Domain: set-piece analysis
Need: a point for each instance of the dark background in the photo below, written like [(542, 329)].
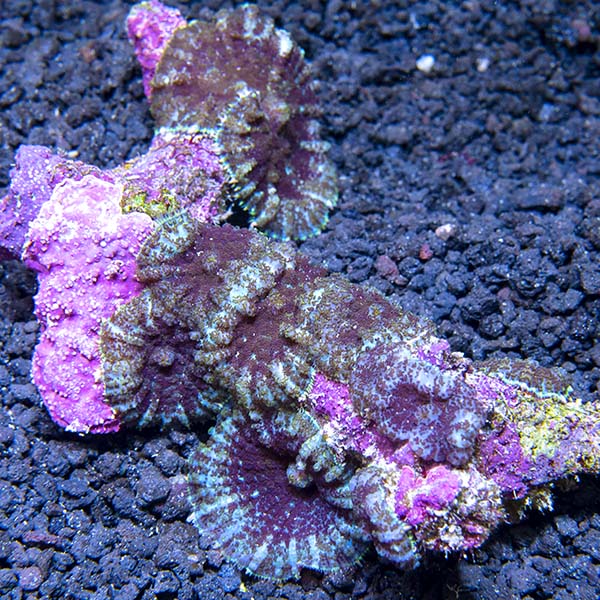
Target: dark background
[(499, 143)]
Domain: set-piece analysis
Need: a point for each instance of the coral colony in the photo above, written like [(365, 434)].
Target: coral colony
[(341, 421)]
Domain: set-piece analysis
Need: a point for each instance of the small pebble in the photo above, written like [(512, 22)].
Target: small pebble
[(425, 252), (386, 267), (446, 231), (425, 63), (30, 578), (152, 486), (482, 64)]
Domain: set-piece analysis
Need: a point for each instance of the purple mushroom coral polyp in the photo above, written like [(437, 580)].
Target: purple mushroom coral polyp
[(341, 420), (247, 81)]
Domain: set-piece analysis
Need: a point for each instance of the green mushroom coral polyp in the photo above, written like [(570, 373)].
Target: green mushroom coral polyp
[(341, 420)]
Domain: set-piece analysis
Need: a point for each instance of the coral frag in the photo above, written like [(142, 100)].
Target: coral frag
[(341, 420)]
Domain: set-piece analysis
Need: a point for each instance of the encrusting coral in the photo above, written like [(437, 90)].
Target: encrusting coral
[(341, 420), (85, 247)]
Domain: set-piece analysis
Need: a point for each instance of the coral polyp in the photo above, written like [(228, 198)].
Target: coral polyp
[(248, 80), (245, 506), (412, 399)]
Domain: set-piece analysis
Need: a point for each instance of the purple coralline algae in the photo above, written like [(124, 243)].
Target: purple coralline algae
[(341, 420), (36, 173), (150, 26), (83, 248)]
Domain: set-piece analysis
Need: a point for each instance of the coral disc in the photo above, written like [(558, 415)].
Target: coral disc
[(149, 375), (249, 81), (244, 505), (410, 399)]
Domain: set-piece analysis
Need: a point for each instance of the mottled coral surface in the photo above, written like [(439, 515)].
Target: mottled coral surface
[(248, 80), (357, 401)]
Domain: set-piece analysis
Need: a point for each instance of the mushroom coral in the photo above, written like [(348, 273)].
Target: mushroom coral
[(341, 420)]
